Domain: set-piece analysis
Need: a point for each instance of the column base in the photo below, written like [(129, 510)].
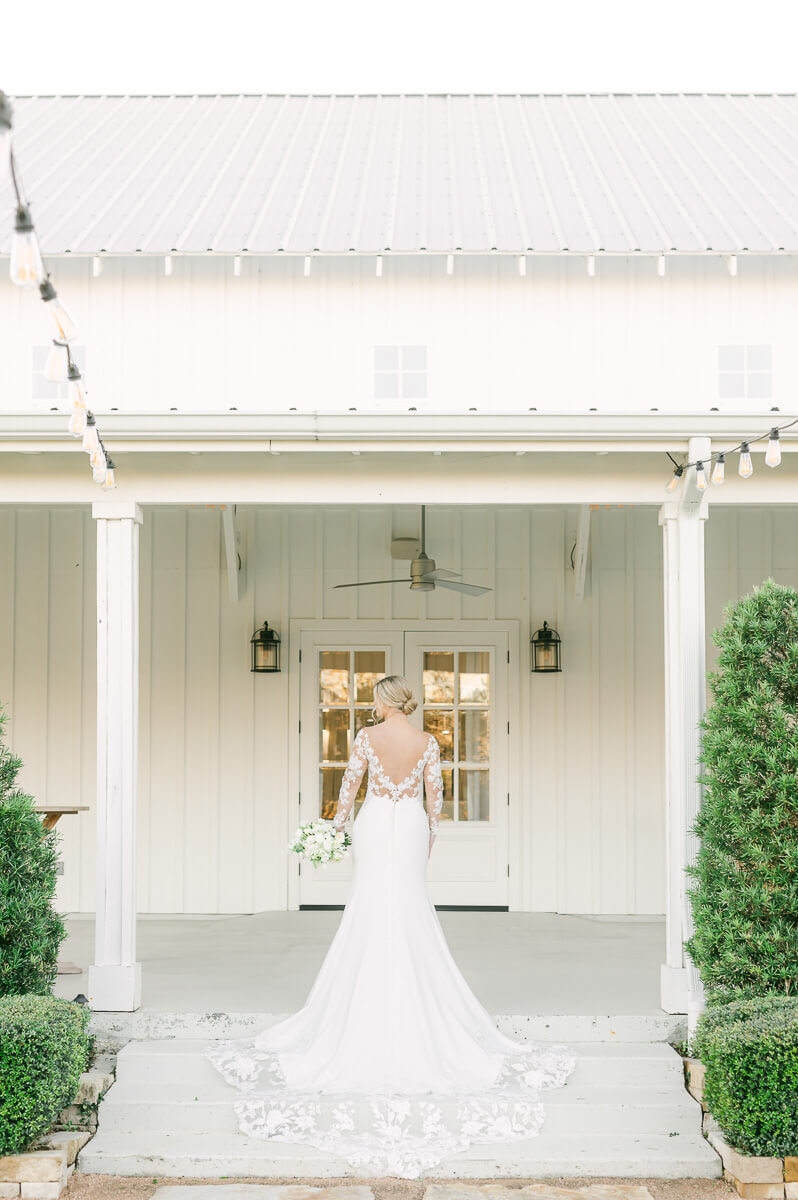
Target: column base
[(115, 988), (674, 989)]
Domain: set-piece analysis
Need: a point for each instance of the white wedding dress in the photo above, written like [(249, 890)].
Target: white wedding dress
[(392, 1064)]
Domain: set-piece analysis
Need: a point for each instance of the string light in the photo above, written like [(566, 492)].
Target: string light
[(745, 467), (719, 470), (773, 452), (27, 269)]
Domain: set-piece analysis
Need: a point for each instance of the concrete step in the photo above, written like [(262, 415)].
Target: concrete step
[(114, 1030), (625, 1156), (181, 1060), (575, 1108)]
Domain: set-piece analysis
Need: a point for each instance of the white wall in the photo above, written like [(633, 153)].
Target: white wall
[(272, 339), (214, 738)]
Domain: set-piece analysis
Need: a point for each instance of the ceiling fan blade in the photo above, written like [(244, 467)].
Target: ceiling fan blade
[(441, 573), (470, 589), (371, 582)]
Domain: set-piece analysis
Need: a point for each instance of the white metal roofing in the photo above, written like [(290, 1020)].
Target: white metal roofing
[(408, 173)]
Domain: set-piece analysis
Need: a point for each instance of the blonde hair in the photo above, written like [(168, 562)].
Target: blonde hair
[(394, 690)]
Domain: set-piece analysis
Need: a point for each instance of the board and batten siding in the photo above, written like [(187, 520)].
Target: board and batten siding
[(214, 738)]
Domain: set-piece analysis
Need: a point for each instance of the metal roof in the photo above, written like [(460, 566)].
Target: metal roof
[(552, 174)]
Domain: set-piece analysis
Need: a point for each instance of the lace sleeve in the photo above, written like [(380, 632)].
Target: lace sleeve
[(433, 788), (351, 781)]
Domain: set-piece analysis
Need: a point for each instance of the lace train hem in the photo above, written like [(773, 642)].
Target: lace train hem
[(383, 1133)]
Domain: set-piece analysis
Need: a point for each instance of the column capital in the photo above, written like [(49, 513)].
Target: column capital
[(117, 510)]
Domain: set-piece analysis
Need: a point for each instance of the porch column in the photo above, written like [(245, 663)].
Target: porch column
[(115, 976), (682, 520)]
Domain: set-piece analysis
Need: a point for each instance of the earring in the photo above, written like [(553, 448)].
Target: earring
[(374, 718)]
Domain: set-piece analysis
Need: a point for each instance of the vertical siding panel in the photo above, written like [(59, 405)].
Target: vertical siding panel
[(478, 562), (236, 736), (63, 699), (88, 741), (373, 562), (268, 584), (443, 544), (166, 844), (648, 792), (147, 768), (610, 684), (338, 563), (206, 576), (547, 817), (32, 650)]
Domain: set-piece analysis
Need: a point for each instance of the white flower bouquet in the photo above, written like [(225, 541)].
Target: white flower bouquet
[(319, 843)]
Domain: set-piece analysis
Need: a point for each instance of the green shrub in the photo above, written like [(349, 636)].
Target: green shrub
[(30, 929), (750, 1051), (44, 1047), (745, 894)]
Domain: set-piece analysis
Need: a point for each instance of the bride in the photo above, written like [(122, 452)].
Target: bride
[(392, 1064)]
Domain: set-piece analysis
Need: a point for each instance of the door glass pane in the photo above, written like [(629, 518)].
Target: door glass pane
[(334, 676), (440, 723), (447, 812), (474, 735), (369, 667), (474, 677), (346, 686), (329, 787), (456, 710), (473, 795), (334, 729), (438, 677)]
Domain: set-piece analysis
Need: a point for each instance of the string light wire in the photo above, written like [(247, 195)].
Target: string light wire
[(773, 457), (27, 267)]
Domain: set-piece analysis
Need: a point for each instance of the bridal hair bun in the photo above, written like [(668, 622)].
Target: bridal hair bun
[(394, 690)]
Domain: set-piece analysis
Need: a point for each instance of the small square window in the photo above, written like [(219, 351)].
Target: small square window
[(400, 372), (745, 372), (386, 385), (731, 358), (759, 385), (760, 358), (386, 358), (414, 385), (414, 358)]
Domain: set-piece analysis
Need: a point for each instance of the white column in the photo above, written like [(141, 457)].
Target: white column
[(682, 520), (115, 976)]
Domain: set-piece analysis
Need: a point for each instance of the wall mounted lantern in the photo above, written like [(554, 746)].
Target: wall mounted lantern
[(546, 649), (265, 645)]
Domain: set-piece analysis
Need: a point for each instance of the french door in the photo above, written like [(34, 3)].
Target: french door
[(460, 681)]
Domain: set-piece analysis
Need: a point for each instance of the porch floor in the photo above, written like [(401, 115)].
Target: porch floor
[(519, 963)]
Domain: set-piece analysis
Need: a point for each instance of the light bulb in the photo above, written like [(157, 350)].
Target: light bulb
[(90, 438), (746, 467), (99, 471), (25, 265), (700, 477), (674, 479), (63, 321), (76, 396), (97, 455), (773, 452), (57, 362), (77, 422), (719, 470), (109, 481)]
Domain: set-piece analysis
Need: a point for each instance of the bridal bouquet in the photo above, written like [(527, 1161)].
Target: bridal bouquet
[(319, 843)]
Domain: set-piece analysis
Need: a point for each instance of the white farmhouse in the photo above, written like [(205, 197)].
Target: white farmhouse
[(302, 322)]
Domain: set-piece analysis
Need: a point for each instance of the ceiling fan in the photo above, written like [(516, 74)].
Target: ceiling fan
[(424, 575)]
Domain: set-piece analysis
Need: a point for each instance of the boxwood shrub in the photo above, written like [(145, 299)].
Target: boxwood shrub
[(44, 1045), (750, 1051)]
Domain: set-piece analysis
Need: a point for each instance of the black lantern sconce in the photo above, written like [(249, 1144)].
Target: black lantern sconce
[(546, 649), (265, 645)]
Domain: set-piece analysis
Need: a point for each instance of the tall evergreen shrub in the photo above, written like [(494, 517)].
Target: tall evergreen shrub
[(745, 882), (30, 929)]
